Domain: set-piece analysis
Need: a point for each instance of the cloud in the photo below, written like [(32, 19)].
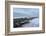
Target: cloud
[(25, 12)]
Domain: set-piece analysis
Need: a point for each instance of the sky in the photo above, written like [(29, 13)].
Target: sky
[(21, 12)]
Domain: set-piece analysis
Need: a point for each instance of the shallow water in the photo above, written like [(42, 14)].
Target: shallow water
[(32, 23)]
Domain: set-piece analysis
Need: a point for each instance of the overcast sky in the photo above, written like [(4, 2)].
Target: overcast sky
[(21, 12)]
